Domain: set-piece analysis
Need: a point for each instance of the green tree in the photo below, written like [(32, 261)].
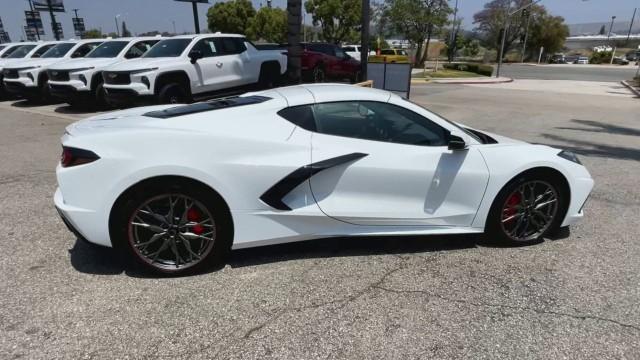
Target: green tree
[(231, 16), (418, 21), (269, 24), (491, 21), (125, 32), (92, 34), (339, 19), (547, 31)]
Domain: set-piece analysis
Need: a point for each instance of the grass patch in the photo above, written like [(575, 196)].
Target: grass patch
[(445, 73)]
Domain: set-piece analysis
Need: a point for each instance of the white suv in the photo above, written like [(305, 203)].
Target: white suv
[(16, 52), (29, 78), (79, 81), (188, 67)]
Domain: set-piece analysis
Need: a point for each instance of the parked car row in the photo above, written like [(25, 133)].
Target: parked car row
[(127, 70), (568, 59)]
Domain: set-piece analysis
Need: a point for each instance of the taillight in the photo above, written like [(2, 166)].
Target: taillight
[(74, 156)]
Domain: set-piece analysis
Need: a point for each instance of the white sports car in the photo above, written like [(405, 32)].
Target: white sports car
[(176, 187)]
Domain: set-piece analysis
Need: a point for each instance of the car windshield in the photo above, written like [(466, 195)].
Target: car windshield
[(168, 48), (58, 51), (110, 49), (20, 52)]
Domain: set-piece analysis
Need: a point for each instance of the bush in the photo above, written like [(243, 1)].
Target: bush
[(603, 57), (486, 70)]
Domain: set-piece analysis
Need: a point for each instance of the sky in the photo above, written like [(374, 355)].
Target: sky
[(147, 15)]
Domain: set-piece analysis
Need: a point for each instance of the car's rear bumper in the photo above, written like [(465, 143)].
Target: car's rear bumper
[(84, 223)]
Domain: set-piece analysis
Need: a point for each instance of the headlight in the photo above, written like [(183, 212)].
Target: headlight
[(142, 71), (81, 69), (569, 155)]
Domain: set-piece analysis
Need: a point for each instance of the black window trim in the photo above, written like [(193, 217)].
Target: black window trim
[(447, 132)]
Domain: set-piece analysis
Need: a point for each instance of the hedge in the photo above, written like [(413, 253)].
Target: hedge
[(486, 70)]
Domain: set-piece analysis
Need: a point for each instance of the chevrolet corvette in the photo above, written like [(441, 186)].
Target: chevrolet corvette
[(176, 187)]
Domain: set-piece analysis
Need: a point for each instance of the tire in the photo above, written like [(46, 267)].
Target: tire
[(519, 218), (199, 236), (172, 94), (100, 99), (269, 76), (357, 77), (318, 75), (45, 94)]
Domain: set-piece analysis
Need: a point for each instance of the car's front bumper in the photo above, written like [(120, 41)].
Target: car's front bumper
[(21, 87), (580, 189), (68, 93)]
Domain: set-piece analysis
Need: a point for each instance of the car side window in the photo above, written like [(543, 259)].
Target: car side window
[(84, 50), (43, 49), (369, 120), (231, 46), (138, 49), (339, 53), (300, 115), (207, 47)]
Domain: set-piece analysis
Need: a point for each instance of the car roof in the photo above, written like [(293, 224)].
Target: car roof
[(318, 93), (202, 36)]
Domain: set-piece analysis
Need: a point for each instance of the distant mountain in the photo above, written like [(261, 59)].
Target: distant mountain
[(619, 28)]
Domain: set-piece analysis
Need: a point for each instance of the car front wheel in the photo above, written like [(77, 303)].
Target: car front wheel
[(526, 210)]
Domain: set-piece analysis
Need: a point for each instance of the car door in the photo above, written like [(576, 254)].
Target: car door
[(211, 73), (236, 60), (391, 166)]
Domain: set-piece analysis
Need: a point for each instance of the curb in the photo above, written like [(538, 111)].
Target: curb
[(631, 87), (465, 82)]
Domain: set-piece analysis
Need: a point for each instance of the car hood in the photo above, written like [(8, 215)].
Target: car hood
[(143, 63), (86, 63), (125, 119), (35, 63), (9, 62)]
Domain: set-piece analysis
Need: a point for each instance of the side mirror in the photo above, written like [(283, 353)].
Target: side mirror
[(195, 55), (456, 143)]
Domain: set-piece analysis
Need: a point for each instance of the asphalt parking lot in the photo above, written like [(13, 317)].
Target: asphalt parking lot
[(385, 298)]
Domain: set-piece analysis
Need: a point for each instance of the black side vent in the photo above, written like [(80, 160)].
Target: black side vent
[(207, 106)]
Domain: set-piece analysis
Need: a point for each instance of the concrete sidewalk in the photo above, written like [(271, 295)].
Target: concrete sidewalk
[(565, 87), (462, 81)]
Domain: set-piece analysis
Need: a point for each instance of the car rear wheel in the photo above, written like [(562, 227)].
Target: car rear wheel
[(318, 74), (526, 210), (175, 229)]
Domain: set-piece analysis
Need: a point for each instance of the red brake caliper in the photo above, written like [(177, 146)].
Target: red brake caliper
[(512, 202), (194, 216)]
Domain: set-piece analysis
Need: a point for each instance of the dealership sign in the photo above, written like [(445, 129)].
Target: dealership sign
[(46, 5), (34, 21), (4, 36), (78, 26)]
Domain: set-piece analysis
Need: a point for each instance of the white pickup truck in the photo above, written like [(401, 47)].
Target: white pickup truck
[(79, 81), (193, 67)]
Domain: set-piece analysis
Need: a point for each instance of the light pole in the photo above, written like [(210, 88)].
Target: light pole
[(613, 18), (364, 39), (526, 36), (117, 28), (504, 30), (631, 26), (452, 40)]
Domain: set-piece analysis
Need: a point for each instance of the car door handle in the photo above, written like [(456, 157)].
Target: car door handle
[(219, 64)]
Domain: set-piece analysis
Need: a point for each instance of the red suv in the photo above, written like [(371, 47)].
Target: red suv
[(321, 61)]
